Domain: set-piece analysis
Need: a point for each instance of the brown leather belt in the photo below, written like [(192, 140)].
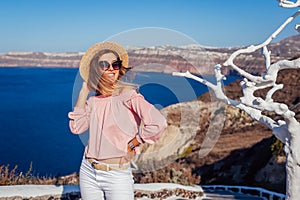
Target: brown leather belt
[(106, 167)]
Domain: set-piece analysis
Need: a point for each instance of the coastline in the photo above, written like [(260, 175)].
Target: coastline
[(197, 59)]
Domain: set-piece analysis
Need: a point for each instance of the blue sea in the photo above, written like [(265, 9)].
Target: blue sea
[(34, 103)]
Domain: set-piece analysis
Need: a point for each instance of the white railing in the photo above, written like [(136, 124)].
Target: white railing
[(254, 191)]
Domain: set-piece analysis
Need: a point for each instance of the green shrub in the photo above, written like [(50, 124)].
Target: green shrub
[(277, 148)]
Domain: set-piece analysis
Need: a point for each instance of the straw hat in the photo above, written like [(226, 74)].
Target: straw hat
[(84, 67)]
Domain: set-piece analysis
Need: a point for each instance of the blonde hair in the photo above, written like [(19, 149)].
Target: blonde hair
[(103, 86)]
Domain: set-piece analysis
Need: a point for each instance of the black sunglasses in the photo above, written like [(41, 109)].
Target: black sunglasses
[(104, 65)]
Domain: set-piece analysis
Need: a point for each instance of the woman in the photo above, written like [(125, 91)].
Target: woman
[(118, 118)]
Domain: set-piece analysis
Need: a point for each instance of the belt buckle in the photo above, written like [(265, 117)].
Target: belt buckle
[(93, 164), (98, 166)]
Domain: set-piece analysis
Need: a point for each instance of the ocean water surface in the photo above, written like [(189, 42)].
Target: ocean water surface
[(34, 103)]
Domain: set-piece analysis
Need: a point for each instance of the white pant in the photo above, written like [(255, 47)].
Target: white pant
[(108, 185)]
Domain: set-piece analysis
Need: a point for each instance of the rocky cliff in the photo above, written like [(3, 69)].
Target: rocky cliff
[(40, 59), (198, 59), (242, 155)]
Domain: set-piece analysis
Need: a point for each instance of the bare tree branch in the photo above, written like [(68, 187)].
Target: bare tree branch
[(289, 4), (286, 130), (267, 55), (253, 111), (297, 27), (252, 48)]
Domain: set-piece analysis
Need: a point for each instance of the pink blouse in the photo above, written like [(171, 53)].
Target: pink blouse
[(113, 121)]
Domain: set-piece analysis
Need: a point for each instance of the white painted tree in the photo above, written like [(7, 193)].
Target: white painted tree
[(286, 130)]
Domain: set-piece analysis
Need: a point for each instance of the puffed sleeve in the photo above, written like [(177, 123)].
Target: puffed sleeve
[(153, 123), (80, 118)]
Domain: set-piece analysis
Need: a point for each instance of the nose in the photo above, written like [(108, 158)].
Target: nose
[(110, 67)]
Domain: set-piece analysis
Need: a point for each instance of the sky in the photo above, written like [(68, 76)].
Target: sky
[(75, 25)]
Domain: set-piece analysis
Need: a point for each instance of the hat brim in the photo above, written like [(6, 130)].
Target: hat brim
[(84, 66)]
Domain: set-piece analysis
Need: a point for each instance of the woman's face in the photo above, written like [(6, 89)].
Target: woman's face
[(106, 62)]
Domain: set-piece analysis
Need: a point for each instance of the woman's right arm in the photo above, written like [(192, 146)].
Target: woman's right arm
[(79, 117), (83, 94)]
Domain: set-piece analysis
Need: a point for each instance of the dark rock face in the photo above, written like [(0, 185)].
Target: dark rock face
[(239, 167)]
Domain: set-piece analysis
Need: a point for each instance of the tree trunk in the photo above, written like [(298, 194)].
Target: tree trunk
[(293, 167)]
